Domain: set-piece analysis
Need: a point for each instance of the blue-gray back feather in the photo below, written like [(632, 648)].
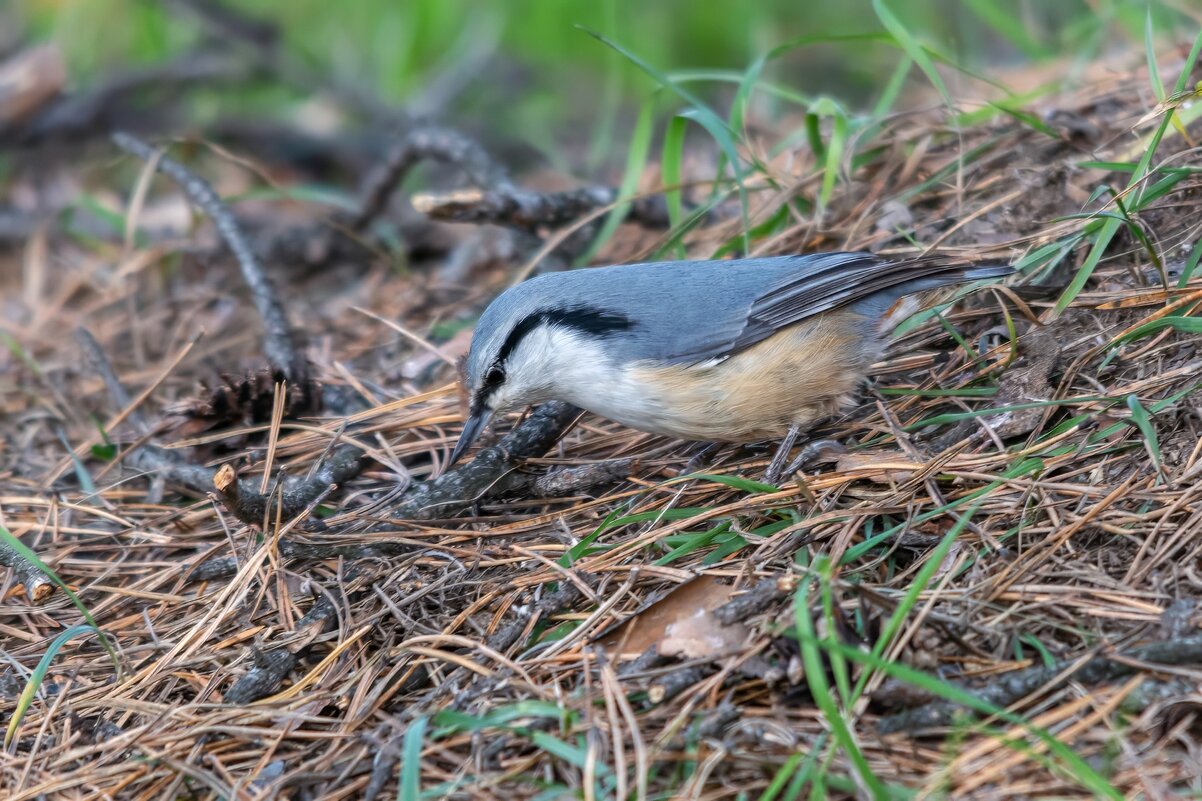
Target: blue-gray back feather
[(693, 311)]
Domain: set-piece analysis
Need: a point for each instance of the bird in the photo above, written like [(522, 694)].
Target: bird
[(719, 351)]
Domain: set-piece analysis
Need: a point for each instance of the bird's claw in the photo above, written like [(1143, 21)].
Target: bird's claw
[(809, 452)]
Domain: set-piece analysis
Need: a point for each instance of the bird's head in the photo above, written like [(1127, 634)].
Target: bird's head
[(528, 348)]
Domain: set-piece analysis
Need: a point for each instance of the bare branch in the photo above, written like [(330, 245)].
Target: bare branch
[(83, 115), (289, 495), (586, 477), (38, 587), (428, 143), (527, 209), (486, 475), (279, 344), (1014, 686)]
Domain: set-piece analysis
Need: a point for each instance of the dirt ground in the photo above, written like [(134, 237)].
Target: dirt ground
[(234, 477)]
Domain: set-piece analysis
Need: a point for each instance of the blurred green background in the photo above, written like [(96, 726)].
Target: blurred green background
[(527, 70)]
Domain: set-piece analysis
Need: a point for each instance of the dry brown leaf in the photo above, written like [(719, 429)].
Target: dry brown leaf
[(682, 623)]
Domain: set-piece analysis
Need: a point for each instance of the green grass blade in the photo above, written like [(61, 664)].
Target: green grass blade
[(1150, 53), (1028, 119), (1077, 767), (39, 674), (21, 548), (834, 150), (1191, 264), (700, 111), (955, 417), (451, 721), (1025, 467), (782, 777), (572, 754), (815, 673), (826, 573), (602, 138), (735, 482), (636, 162), (411, 761), (893, 87), (1003, 19), (912, 47), (1143, 421), (933, 561), (670, 168)]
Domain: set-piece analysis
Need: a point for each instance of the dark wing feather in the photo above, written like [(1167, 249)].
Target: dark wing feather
[(826, 282)]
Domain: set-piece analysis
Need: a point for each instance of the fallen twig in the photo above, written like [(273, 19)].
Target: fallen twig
[(223, 566), (1012, 687), (575, 480), (288, 496), (526, 209), (279, 344), (486, 474), (431, 142), (38, 587), (267, 672), (272, 667), (550, 604), (28, 80), (100, 363), (753, 600), (673, 684), (73, 117)]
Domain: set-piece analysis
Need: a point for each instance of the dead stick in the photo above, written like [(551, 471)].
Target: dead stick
[(486, 474), (550, 604), (271, 667), (84, 115), (279, 344), (37, 585), (101, 364), (224, 566), (1012, 687), (431, 142), (582, 478), (754, 599), (527, 209), (240, 495)]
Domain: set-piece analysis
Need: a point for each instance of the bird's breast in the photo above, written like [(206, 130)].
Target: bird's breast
[(791, 378)]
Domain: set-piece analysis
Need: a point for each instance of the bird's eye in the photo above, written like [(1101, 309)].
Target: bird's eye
[(494, 376)]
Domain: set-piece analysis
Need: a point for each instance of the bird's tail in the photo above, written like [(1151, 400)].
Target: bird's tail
[(895, 304)]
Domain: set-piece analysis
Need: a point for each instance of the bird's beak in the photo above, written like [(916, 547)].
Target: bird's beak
[(471, 432)]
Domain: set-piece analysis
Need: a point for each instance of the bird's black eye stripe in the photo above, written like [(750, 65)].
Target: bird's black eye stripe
[(591, 320)]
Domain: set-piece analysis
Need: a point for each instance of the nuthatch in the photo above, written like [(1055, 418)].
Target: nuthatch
[(718, 351)]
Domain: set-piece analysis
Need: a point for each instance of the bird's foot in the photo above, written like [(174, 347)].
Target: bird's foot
[(776, 466), (702, 457), (809, 452)]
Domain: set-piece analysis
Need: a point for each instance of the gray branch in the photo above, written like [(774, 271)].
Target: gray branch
[(490, 472), (38, 587), (1017, 685), (279, 344), (526, 209), (428, 143)]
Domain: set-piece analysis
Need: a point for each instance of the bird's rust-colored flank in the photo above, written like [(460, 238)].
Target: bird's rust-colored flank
[(794, 377)]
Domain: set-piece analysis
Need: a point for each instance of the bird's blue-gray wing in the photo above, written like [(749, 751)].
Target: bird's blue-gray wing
[(742, 302)]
